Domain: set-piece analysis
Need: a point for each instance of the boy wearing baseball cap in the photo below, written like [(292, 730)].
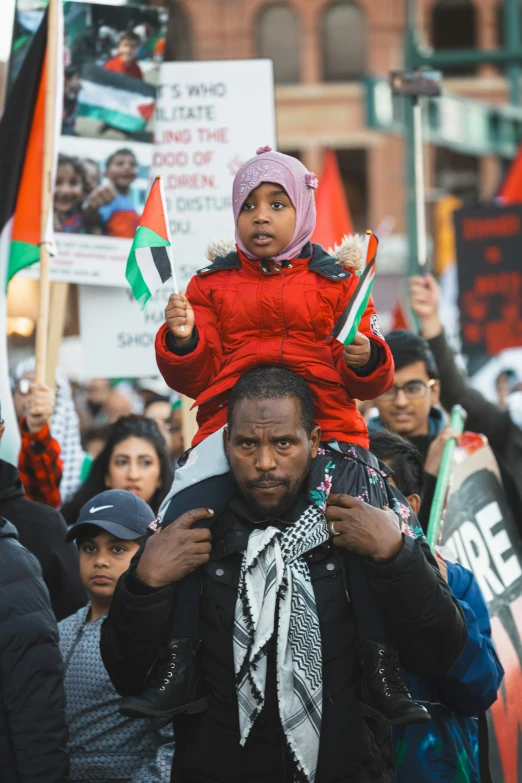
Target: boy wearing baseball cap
[(104, 745)]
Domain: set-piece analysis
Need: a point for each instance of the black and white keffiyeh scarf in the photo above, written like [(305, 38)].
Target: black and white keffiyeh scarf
[(275, 581)]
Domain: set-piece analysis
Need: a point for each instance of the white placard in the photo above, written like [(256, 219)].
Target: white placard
[(118, 338), (210, 118)]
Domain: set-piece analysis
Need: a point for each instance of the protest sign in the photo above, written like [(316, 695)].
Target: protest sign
[(482, 534), (202, 135), (118, 338), (92, 256), (112, 58), (489, 249), (204, 130)]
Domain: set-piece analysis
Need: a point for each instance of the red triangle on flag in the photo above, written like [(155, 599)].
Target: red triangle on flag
[(154, 215), (400, 317), (146, 110), (333, 214), (510, 191)]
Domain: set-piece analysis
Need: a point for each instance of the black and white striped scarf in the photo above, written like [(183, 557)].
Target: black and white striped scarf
[(275, 579)]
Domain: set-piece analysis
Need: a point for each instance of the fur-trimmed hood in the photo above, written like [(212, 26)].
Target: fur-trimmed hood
[(349, 253)]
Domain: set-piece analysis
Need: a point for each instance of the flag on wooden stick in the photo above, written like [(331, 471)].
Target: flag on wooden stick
[(150, 260), (22, 149), (346, 327)]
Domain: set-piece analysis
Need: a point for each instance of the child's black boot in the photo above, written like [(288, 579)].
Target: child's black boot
[(174, 685), (383, 693)]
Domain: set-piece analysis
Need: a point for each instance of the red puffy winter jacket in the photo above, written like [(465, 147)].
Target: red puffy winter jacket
[(252, 313)]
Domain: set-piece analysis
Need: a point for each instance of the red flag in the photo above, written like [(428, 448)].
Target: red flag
[(400, 317), (333, 215), (510, 191)]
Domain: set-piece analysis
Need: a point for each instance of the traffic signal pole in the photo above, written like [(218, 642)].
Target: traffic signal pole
[(509, 57)]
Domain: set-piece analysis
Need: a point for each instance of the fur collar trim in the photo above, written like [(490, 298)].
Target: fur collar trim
[(349, 253)]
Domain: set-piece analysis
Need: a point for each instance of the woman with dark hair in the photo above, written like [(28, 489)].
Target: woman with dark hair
[(135, 458)]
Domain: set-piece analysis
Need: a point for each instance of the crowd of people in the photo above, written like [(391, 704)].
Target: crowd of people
[(259, 605)]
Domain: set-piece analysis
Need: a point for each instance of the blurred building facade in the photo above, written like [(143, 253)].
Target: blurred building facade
[(321, 51)]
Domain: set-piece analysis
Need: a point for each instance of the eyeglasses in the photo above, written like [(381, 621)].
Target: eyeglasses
[(413, 390)]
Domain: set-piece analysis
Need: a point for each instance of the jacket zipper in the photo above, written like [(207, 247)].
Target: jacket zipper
[(283, 313)]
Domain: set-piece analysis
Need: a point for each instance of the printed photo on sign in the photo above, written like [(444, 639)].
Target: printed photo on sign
[(100, 190), (112, 54)]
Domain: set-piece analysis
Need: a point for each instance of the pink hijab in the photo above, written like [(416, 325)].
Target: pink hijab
[(299, 183)]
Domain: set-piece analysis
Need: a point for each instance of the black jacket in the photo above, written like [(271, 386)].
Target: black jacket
[(42, 531), (425, 624), (33, 729), (484, 417)]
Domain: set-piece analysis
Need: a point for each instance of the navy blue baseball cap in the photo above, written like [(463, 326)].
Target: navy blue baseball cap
[(117, 511)]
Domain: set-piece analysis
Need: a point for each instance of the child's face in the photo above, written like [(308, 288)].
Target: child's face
[(122, 171), (267, 220), (92, 172), (103, 560), (127, 50), (68, 189)]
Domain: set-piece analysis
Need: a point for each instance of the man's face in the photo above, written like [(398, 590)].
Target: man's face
[(406, 411), (270, 453)]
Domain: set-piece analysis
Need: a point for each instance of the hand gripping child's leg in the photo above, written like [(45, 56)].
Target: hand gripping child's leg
[(174, 684), (383, 694)]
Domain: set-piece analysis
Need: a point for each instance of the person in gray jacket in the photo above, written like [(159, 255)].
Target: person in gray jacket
[(496, 423), (104, 746)]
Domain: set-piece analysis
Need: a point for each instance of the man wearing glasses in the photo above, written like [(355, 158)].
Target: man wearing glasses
[(411, 407)]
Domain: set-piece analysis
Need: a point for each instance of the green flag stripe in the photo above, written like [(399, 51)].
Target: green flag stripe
[(135, 279), (118, 119), (348, 340), (21, 254), (146, 237)]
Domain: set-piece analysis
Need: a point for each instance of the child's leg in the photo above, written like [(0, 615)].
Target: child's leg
[(215, 493), (175, 683), (366, 609), (354, 471)]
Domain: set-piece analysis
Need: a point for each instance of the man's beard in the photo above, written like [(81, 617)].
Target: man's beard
[(276, 510)]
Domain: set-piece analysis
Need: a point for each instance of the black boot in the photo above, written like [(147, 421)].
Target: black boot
[(383, 694), (174, 684)]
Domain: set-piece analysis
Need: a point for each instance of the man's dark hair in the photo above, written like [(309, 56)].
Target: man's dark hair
[(123, 151), (408, 348), (402, 457), (274, 383)]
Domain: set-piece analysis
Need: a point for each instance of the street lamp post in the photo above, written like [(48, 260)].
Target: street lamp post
[(416, 56)]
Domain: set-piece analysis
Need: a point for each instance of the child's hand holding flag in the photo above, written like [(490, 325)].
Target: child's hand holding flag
[(358, 353), (357, 349), (179, 316)]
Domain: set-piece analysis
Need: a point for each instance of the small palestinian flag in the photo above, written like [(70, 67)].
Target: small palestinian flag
[(115, 99), (346, 327), (149, 264), (21, 150)]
